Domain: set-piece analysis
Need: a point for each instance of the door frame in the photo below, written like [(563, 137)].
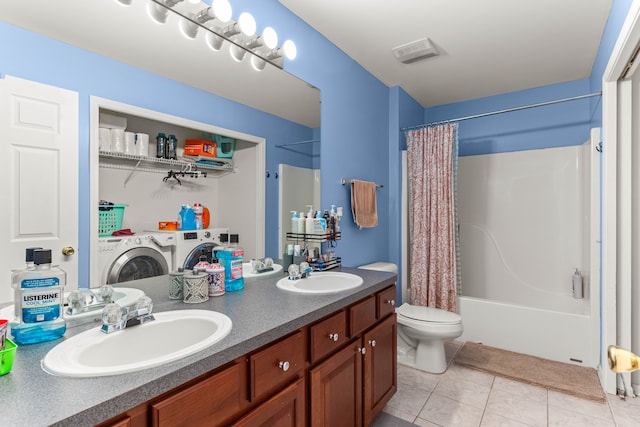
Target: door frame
[(616, 214)]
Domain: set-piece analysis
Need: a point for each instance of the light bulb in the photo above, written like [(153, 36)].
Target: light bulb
[(289, 49), (270, 37), (247, 24), (222, 10), (194, 1)]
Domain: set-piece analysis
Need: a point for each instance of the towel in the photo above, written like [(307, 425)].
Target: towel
[(363, 203)]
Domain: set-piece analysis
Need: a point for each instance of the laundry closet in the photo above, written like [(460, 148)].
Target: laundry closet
[(151, 190)]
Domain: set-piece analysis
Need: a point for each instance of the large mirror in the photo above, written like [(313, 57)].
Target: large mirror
[(126, 34)]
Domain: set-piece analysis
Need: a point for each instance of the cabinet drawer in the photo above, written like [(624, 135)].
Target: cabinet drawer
[(286, 408), (277, 364), (386, 301), (328, 335), (213, 401), (362, 315)]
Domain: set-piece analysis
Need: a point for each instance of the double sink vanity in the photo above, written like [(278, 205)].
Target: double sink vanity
[(302, 355)]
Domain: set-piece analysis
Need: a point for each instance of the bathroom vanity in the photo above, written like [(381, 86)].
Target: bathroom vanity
[(310, 359)]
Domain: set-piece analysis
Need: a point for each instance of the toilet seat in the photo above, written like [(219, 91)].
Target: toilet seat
[(428, 314)]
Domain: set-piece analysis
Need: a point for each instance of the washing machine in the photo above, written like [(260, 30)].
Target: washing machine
[(191, 244), (124, 258)]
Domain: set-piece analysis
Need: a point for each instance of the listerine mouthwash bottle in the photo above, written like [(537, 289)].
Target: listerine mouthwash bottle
[(39, 299), (231, 258)]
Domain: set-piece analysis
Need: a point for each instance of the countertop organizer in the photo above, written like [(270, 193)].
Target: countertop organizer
[(318, 265)]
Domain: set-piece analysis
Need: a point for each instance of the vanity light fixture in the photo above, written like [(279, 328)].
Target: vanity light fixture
[(288, 50), (219, 11), (239, 34)]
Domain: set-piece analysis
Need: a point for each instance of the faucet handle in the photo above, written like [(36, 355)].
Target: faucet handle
[(105, 293), (112, 314), (144, 305)]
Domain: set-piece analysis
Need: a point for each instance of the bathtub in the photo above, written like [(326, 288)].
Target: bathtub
[(555, 335)]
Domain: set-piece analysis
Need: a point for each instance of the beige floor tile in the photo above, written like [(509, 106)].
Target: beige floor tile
[(563, 417), (424, 423), (464, 391), (408, 399), (582, 406), (460, 372), (418, 379), (448, 412), (399, 413), (520, 389), (626, 413), (519, 407), (489, 419)]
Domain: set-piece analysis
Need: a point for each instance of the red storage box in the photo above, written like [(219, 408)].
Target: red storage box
[(200, 147)]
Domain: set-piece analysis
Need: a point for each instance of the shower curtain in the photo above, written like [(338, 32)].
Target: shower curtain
[(434, 254)]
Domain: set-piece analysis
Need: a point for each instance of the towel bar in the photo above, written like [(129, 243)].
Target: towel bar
[(348, 181)]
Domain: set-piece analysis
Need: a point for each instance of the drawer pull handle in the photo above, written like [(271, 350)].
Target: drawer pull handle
[(391, 302), (334, 337), (362, 350), (372, 343), (284, 366)]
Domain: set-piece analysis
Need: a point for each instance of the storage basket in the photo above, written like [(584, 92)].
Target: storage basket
[(6, 356), (225, 146), (110, 219)]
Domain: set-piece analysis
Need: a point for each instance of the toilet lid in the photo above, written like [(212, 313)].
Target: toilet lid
[(428, 314)]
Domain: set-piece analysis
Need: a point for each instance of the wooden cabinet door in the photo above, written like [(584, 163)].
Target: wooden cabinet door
[(386, 302), (285, 409), (211, 402), (335, 391), (380, 368)]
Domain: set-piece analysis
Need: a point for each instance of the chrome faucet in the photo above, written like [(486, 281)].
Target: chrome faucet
[(84, 300), (116, 318), (299, 272)]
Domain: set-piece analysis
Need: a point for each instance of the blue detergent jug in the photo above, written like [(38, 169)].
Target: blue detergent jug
[(187, 218)]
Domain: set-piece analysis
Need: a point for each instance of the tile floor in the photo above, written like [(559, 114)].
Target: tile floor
[(470, 398)]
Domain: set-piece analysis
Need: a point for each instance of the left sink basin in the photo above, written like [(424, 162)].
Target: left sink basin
[(172, 336)]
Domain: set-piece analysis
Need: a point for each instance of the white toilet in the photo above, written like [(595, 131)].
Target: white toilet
[(422, 331)]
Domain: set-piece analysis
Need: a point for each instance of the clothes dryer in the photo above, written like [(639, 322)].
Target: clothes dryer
[(125, 258), (191, 244)]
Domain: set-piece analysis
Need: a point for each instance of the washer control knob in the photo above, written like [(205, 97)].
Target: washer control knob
[(207, 234)]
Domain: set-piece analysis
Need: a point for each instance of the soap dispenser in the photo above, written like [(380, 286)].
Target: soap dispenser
[(309, 221), (294, 222)]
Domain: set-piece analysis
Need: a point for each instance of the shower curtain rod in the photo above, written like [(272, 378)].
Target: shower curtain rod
[(508, 110)]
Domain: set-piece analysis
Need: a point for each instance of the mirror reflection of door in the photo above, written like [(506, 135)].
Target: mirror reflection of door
[(299, 187)]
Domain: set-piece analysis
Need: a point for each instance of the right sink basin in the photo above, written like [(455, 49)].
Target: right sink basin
[(320, 283)]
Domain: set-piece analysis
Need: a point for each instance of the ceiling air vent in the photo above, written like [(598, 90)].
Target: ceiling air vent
[(414, 51)]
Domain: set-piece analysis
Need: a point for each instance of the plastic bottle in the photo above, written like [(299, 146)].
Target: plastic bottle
[(301, 223), (198, 211), (216, 278), (161, 145), (231, 259), (171, 148), (39, 294), (319, 224), (187, 220), (294, 222), (309, 221)]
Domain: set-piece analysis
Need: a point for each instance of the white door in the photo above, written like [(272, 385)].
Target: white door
[(39, 128)]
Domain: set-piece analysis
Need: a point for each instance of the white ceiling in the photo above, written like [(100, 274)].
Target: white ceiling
[(486, 47)]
